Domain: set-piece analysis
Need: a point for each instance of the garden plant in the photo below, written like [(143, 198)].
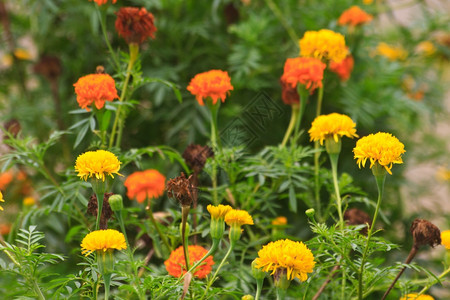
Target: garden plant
[(227, 149)]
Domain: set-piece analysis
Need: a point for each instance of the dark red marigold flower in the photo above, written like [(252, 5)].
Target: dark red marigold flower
[(135, 25)]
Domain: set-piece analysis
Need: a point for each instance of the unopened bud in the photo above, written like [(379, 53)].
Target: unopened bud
[(247, 297), (116, 202), (310, 213)]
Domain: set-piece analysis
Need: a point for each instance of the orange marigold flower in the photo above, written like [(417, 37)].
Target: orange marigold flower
[(101, 2), (304, 70), (5, 179), (145, 184), (354, 16), (176, 264), (215, 84), (95, 88), (279, 221), (344, 68), (5, 229), (135, 25)]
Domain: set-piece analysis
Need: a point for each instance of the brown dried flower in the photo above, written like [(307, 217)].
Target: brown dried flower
[(48, 66), (196, 156), (425, 233), (106, 210), (135, 25), (355, 216), (181, 189)]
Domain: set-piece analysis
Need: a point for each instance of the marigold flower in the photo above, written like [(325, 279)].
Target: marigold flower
[(333, 125), (324, 44), (289, 94), (5, 229), (344, 68), (5, 179), (415, 297), (101, 2), (426, 48), (304, 70), (135, 25), (391, 52), (294, 257), (279, 221), (22, 54), (176, 264), (103, 240), (238, 217), (219, 211), (442, 174), (97, 164), (354, 16), (29, 201), (382, 148), (95, 88), (215, 84), (445, 239), (1, 199), (145, 184)]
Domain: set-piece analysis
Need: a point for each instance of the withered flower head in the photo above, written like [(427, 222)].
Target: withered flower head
[(355, 216), (106, 210), (135, 25), (196, 156), (289, 94), (425, 233), (181, 189), (13, 127), (48, 66)]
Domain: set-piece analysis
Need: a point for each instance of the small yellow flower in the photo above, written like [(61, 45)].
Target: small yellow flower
[(279, 221), (445, 239), (292, 256), (97, 164), (1, 200), (22, 54), (382, 148), (443, 174), (426, 48), (414, 297), (391, 52), (29, 201), (238, 217), (324, 44), (332, 126), (103, 240), (219, 211)]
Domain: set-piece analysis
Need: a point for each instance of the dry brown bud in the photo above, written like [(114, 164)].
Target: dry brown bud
[(106, 210), (196, 156), (181, 189), (425, 233), (355, 216)]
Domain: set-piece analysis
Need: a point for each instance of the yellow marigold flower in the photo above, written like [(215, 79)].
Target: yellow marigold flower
[(445, 239), (292, 256), (382, 148), (238, 217), (443, 174), (1, 199), (391, 52), (426, 48), (324, 44), (97, 164), (22, 54), (414, 297), (279, 221), (29, 201), (215, 84), (354, 16), (219, 211), (95, 88), (103, 240), (333, 125)]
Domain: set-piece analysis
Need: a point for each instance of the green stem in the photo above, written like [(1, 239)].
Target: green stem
[(37, 290), (99, 115), (215, 143), (211, 280), (134, 52), (281, 293), (317, 155), (99, 189), (102, 18), (294, 116), (161, 235), (107, 281), (428, 286), (184, 238), (281, 17), (259, 284), (334, 163), (380, 185)]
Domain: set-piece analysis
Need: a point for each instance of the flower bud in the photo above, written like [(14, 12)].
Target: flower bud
[(247, 297), (115, 202), (310, 213)]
